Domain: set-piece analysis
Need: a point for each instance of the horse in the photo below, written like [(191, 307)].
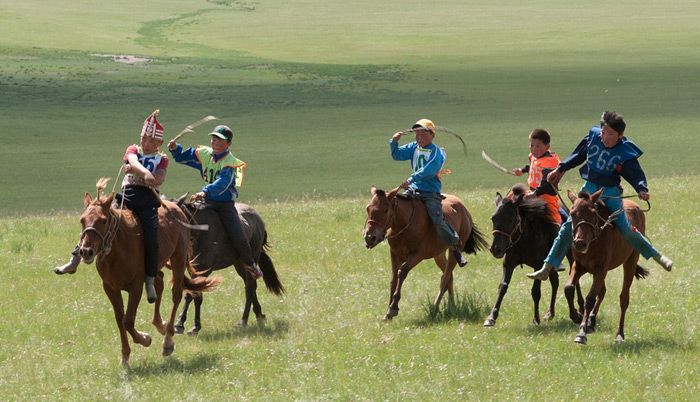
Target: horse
[(523, 234), (213, 250), (112, 237), (412, 237), (598, 248)]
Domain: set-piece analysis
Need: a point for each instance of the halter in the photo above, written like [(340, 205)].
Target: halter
[(598, 230), (516, 226), (391, 219), (107, 237)]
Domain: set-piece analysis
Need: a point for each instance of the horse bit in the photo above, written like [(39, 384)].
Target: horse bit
[(516, 226), (391, 218)]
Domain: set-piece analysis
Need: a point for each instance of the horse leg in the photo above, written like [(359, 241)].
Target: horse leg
[(630, 267), (402, 274), (571, 288), (178, 269), (502, 289), (446, 281), (180, 325), (592, 317), (596, 286), (554, 281), (536, 293), (257, 308), (129, 320), (157, 320), (247, 282), (395, 264), (115, 298), (197, 325)]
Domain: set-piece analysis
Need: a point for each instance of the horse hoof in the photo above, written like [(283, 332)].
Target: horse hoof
[(179, 329), (490, 322), (548, 316), (125, 362), (391, 313), (590, 330), (147, 340), (261, 317), (168, 350), (193, 331), (536, 322), (619, 339), (580, 339)]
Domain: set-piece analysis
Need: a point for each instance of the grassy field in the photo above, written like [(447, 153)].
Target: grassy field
[(313, 90), (325, 339)]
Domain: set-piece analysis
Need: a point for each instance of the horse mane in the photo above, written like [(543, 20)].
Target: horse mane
[(533, 210)]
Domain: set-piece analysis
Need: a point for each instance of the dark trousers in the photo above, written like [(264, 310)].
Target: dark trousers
[(144, 204), (232, 224)]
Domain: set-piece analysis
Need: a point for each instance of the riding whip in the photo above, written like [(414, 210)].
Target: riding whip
[(495, 164), (445, 130), (189, 129)]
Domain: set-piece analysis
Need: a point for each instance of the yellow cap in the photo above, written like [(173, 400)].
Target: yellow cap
[(426, 124)]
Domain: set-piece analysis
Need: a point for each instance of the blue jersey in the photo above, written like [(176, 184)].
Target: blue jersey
[(425, 163), (605, 166)]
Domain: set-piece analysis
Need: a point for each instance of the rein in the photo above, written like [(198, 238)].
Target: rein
[(108, 236), (598, 230), (387, 226), (518, 225)]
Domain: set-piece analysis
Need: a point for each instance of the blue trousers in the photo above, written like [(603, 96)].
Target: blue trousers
[(433, 203), (637, 240)]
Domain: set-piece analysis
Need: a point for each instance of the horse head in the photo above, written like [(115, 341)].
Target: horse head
[(506, 223), (584, 219), (380, 212), (95, 221)]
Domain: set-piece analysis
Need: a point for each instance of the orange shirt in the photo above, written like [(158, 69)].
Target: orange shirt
[(534, 178)]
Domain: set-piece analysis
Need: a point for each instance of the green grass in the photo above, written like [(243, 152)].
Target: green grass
[(326, 340), (313, 91)]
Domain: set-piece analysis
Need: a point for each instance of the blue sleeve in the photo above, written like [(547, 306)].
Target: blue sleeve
[(577, 157), (403, 153), (632, 172), (431, 168), (225, 180), (186, 157)]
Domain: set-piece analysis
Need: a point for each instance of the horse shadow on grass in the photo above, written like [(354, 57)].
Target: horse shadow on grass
[(274, 330), (173, 365), (470, 307)]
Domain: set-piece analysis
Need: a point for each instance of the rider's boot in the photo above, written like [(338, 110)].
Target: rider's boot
[(665, 262), (543, 273), (461, 261), (71, 266), (151, 289)]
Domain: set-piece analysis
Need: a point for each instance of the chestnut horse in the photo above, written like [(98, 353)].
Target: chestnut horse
[(412, 237), (523, 234), (213, 250), (113, 237), (598, 248)]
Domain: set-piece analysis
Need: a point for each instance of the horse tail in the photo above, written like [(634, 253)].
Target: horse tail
[(641, 272), (272, 281), (475, 242), (199, 283)]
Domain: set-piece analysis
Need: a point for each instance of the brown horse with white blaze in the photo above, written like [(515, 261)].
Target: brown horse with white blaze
[(113, 238), (599, 247), (412, 237)]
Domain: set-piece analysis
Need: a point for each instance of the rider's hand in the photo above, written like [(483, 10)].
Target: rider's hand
[(644, 196), (172, 145), (396, 136), (554, 176), (404, 185), (198, 196), (518, 172)]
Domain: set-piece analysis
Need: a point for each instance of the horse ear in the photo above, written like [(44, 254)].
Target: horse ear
[(182, 199), (87, 199), (373, 190), (109, 199), (519, 199), (571, 195), (596, 196), (393, 193), (499, 197)]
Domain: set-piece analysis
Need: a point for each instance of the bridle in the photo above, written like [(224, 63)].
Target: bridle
[(108, 235), (597, 228), (391, 219), (517, 227)]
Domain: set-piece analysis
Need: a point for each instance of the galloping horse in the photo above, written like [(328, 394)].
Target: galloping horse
[(598, 248), (523, 234), (213, 250), (413, 238), (113, 237)]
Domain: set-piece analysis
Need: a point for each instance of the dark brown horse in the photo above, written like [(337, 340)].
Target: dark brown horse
[(523, 234), (113, 237), (598, 248), (413, 238), (213, 250)]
